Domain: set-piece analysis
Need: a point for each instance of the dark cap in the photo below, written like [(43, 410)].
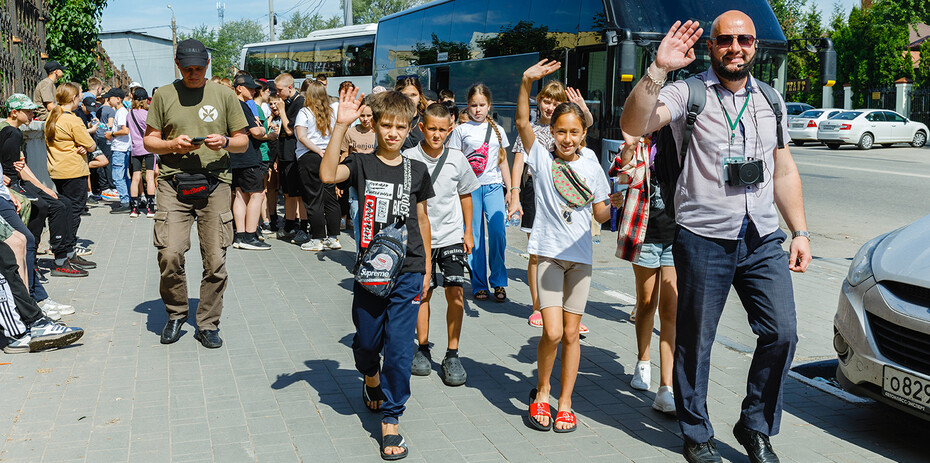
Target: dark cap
[(90, 103), (272, 88), (51, 66), (245, 81), (140, 94), (115, 91), (192, 53)]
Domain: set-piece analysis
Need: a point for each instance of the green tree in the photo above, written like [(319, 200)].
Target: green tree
[(71, 35), (226, 43), (429, 54), (300, 24), (522, 37), (802, 21), (370, 11)]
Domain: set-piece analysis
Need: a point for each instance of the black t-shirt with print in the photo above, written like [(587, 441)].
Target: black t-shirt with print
[(379, 188), (11, 144), (252, 157), (288, 143)]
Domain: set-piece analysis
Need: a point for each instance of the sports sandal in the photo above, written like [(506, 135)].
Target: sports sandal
[(633, 314), (535, 319), (371, 395), (565, 417), (539, 409), (583, 329), (500, 294), (481, 295), (393, 440)]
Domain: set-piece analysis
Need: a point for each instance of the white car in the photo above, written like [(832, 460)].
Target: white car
[(882, 323), (866, 127), (803, 127)]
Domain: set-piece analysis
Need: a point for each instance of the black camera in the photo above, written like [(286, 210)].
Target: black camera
[(742, 172)]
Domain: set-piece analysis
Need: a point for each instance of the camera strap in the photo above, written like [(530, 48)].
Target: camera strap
[(733, 124)]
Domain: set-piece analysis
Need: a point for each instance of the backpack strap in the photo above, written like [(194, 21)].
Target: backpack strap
[(439, 164), (771, 96), (697, 97), (405, 198)]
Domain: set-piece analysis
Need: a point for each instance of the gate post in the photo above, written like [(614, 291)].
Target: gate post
[(902, 103), (827, 97), (847, 96)]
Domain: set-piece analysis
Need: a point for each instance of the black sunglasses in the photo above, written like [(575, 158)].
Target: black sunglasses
[(725, 41)]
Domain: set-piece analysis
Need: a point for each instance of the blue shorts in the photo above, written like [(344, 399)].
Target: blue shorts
[(655, 255)]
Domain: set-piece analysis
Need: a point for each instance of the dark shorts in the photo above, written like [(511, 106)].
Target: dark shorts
[(528, 202), (248, 179), (136, 162), (265, 165), (451, 262), (289, 178)]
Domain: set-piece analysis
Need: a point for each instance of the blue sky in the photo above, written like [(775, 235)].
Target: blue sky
[(153, 17)]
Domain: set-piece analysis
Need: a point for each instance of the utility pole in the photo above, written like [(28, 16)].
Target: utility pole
[(174, 41), (271, 20), (347, 12), (220, 11)]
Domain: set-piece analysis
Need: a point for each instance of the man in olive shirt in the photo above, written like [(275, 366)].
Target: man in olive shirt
[(194, 126), (44, 94)]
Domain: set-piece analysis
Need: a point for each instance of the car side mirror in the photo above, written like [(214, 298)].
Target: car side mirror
[(906, 121)]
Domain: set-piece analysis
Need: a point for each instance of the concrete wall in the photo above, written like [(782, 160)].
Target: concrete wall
[(36, 157), (148, 60)]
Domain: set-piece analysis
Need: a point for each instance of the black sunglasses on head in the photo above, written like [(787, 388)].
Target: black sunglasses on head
[(725, 41)]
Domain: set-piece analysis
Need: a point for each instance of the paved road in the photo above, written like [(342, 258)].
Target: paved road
[(283, 388)]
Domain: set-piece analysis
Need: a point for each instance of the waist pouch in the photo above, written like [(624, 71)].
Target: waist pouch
[(194, 187), (383, 259), (571, 186), (478, 159)]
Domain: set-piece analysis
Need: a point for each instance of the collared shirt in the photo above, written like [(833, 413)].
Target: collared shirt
[(704, 203)]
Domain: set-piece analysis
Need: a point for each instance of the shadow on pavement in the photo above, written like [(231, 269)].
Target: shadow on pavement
[(158, 317)]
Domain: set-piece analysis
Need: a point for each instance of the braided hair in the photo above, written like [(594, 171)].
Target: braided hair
[(483, 90)]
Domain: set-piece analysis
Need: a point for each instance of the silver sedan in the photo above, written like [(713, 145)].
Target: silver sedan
[(866, 127), (803, 127)]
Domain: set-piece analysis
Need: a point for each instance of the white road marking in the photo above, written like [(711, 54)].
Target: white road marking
[(622, 297), (862, 169)]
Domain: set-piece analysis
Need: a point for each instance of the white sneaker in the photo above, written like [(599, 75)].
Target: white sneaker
[(83, 250), (312, 245), (18, 345), (332, 243), (665, 400), (51, 305), (642, 376)]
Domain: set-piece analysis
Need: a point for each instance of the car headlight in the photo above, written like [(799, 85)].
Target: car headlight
[(861, 267)]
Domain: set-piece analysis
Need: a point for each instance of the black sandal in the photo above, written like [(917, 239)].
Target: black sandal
[(393, 440), (481, 295), (371, 395), (500, 294)]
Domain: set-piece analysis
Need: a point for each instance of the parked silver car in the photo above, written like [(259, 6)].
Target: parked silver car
[(866, 127), (803, 127), (882, 323)]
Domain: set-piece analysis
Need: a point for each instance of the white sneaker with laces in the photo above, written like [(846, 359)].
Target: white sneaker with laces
[(332, 243), (83, 250), (312, 245), (642, 376), (665, 400), (51, 305), (18, 345)]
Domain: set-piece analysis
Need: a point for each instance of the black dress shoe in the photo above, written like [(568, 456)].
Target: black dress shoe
[(209, 338), (756, 444), (172, 331), (704, 452)]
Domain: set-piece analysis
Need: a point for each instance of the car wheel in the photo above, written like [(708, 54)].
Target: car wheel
[(833, 146), (866, 141), (920, 139), (798, 143)]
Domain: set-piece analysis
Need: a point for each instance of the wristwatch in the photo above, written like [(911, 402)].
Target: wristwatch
[(227, 142), (803, 233)]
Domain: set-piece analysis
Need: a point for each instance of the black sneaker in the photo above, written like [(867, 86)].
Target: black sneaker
[(453, 372), (301, 237), (67, 270), (251, 242), (121, 209), (82, 263)]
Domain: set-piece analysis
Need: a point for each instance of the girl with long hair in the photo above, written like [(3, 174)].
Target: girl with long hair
[(411, 88)]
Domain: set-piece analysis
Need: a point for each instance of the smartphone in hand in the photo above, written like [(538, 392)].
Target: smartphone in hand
[(198, 141)]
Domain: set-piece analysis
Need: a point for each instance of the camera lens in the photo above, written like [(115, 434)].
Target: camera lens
[(750, 173)]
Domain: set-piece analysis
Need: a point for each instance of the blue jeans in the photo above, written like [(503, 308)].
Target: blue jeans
[(8, 212), (120, 174), (488, 206), (388, 324), (353, 213), (757, 267)]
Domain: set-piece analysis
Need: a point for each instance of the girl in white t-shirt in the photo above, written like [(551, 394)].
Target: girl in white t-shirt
[(561, 238), (483, 143), (314, 127)]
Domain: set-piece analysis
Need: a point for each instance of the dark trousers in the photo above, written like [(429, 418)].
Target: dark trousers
[(25, 304), (104, 179), (74, 190), (58, 212), (387, 324), (757, 267), (323, 210), (8, 212)]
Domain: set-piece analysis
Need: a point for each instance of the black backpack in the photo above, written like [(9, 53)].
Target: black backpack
[(671, 156)]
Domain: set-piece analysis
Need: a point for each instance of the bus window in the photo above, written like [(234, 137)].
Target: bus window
[(329, 57), (436, 22), (256, 62), (502, 16), (560, 18), (387, 36), (407, 38), (357, 55), (277, 59), (468, 24), (303, 58)]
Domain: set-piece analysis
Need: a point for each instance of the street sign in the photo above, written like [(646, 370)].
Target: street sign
[(876, 95), (798, 85)]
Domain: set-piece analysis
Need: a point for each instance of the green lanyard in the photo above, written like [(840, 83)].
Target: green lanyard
[(733, 124)]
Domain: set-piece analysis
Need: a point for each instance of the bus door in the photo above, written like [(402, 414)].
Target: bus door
[(586, 71)]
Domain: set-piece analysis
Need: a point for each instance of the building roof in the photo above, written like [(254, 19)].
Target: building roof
[(114, 34), (918, 34)]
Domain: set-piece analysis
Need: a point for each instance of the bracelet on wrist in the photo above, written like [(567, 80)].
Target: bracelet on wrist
[(515, 188), (657, 82)]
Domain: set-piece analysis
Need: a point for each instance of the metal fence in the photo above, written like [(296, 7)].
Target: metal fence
[(920, 105), (22, 45), (881, 98)]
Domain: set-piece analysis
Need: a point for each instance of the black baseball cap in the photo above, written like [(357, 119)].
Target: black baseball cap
[(51, 66), (192, 53), (115, 91), (90, 103), (273, 88), (246, 81), (140, 94)]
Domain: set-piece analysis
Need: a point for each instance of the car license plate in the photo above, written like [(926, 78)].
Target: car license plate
[(797, 125), (906, 388)]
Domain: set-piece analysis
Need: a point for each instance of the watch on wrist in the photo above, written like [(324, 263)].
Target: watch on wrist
[(227, 142), (803, 233)]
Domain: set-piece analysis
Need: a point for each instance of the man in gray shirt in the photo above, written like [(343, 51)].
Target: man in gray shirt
[(728, 231)]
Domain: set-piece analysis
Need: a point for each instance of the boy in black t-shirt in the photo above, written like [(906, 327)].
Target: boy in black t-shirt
[(386, 323)]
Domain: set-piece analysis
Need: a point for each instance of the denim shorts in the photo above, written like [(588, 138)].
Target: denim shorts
[(655, 255)]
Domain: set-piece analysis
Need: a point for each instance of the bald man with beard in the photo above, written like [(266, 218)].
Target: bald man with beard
[(728, 234)]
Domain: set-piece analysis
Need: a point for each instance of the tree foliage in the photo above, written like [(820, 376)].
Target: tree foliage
[(298, 25), (802, 21), (71, 35), (226, 42), (522, 37), (429, 53), (922, 78), (370, 11)]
